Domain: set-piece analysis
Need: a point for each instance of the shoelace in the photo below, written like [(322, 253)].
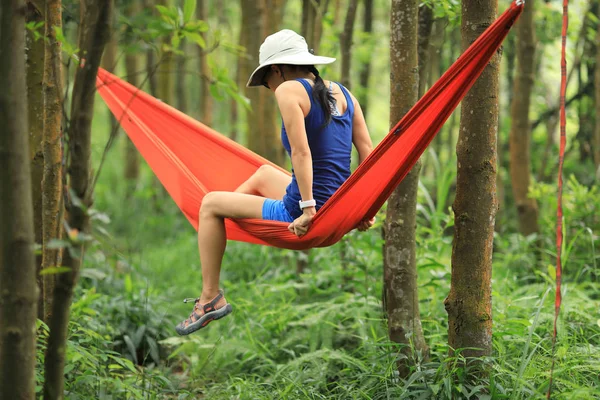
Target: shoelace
[(188, 299)]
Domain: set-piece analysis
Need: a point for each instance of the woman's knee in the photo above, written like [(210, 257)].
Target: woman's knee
[(209, 204)]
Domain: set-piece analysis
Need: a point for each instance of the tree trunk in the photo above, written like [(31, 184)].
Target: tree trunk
[(469, 303), (181, 88), (206, 101), (520, 156), (365, 71), (94, 31), (109, 63), (262, 16), (151, 58), (346, 42), (132, 66), (166, 70), (18, 289), (52, 145), (425, 26), (400, 272), (35, 76), (597, 94), (312, 22)]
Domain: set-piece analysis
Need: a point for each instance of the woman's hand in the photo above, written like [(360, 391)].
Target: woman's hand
[(301, 224), (365, 224)]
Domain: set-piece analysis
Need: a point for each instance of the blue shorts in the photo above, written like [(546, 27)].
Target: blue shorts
[(274, 210)]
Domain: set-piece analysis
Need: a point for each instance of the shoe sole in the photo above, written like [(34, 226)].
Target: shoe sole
[(204, 320)]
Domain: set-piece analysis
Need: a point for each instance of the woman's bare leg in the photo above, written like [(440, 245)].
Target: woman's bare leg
[(268, 182), (212, 237)]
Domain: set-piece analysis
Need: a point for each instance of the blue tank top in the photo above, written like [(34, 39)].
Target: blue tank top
[(330, 147)]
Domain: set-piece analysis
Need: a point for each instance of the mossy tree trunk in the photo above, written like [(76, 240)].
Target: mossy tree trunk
[(520, 155), (35, 75), (18, 288), (94, 32), (400, 272), (52, 191), (469, 303)]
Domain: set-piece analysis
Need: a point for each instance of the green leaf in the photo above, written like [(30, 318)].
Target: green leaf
[(54, 270), (128, 283), (552, 272), (189, 7), (131, 348), (215, 92), (196, 38)]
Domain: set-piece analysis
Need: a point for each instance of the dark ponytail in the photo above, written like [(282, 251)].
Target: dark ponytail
[(322, 95)]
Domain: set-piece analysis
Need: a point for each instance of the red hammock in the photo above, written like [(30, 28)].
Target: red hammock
[(190, 159)]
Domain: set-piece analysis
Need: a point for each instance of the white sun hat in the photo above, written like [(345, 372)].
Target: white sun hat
[(284, 47)]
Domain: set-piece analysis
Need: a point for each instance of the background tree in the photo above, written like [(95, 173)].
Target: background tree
[(346, 42), (263, 130), (520, 164), (425, 27), (313, 12), (365, 71), (35, 104), (469, 303), (206, 101), (165, 73), (597, 90), (132, 68), (52, 146), (94, 32), (399, 261), (18, 289)]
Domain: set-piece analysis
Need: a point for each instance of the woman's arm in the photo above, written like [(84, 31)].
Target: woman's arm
[(364, 146), (360, 133)]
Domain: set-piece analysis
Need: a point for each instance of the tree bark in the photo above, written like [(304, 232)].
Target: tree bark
[(35, 76), (206, 101), (469, 303), (400, 272), (365, 71), (18, 289), (132, 66), (52, 145), (346, 42), (597, 94), (94, 31), (520, 156)]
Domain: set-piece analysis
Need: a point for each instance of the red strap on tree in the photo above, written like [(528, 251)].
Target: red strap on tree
[(561, 157)]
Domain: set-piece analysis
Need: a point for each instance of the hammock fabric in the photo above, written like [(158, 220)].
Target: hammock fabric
[(191, 159)]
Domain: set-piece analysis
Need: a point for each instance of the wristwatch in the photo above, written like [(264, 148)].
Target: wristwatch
[(307, 203)]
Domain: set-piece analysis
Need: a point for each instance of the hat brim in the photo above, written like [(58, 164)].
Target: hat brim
[(296, 59)]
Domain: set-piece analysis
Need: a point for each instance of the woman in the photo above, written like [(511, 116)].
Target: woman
[(321, 121)]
